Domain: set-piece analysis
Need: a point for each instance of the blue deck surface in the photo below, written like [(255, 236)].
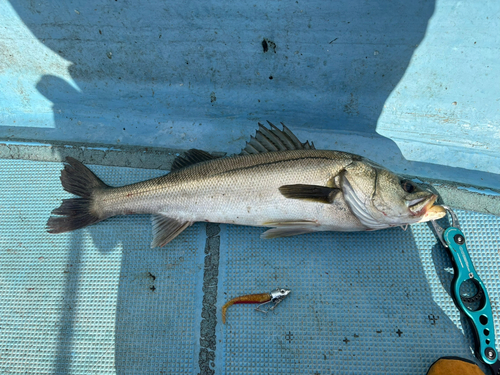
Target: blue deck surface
[(412, 85), (99, 300)]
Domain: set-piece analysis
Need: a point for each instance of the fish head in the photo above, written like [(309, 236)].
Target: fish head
[(381, 199)]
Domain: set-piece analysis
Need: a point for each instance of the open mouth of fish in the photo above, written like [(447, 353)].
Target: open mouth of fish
[(425, 208)]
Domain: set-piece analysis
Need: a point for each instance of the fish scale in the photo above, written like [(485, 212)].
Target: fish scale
[(239, 190)]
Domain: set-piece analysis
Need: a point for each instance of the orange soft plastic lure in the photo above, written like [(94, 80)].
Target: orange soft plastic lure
[(275, 296)]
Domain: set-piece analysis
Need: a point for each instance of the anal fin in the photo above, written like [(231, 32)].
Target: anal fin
[(165, 229)]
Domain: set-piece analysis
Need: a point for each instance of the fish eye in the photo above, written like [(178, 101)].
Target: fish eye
[(407, 186), (282, 291)]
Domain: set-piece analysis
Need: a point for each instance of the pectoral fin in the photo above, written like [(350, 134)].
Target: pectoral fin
[(165, 229), (312, 193)]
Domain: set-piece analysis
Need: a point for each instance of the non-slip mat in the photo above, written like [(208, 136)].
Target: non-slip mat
[(99, 300), (369, 302)]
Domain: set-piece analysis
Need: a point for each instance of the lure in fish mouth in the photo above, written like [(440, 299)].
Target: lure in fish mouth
[(426, 209), (276, 182)]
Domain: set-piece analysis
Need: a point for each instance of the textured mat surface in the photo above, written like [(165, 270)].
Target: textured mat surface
[(99, 300), (360, 303)]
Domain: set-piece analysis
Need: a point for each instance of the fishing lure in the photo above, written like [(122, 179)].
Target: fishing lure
[(276, 296)]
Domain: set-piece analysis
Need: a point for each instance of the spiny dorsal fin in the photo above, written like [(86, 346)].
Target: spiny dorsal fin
[(312, 193), (191, 157), (273, 139), (165, 229)]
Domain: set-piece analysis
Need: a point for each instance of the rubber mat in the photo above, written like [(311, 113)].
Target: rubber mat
[(99, 300), (369, 302)]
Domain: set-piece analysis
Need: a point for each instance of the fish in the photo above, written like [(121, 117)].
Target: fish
[(276, 296), (276, 182)]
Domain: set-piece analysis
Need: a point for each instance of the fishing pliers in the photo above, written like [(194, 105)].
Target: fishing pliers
[(469, 293)]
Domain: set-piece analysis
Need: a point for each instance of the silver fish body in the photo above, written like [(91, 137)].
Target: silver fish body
[(240, 190), (278, 183)]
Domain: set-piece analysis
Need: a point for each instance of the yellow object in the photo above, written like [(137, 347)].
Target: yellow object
[(454, 366)]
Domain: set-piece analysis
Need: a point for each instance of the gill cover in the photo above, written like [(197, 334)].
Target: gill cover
[(377, 197)]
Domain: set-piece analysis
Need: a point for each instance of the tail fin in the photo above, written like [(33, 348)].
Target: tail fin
[(76, 213)]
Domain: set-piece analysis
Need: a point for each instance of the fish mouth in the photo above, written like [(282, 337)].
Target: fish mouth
[(425, 208)]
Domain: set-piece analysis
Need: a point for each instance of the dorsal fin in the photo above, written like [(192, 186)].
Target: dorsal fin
[(273, 139), (191, 157)]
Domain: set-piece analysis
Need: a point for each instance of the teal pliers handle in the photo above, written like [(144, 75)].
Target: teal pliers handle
[(477, 307)]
